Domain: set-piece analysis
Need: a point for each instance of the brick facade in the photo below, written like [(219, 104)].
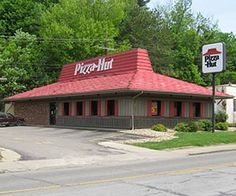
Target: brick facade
[(36, 113)]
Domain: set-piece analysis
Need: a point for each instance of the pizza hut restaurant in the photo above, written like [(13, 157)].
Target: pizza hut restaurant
[(119, 91)]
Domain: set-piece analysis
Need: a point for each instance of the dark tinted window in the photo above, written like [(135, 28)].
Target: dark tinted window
[(94, 108), (9, 115), (111, 107), (178, 108), (79, 108), (66, 109), (2, 115), (196, 109)]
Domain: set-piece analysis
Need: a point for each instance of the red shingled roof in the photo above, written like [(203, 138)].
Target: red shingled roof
[(131, 71)]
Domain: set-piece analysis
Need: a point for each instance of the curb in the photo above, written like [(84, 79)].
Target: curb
[(211, 152)]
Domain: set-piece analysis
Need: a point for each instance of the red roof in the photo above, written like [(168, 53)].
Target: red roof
[(131, 71)]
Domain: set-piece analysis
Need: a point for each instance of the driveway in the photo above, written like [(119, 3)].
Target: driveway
[(36, 143)]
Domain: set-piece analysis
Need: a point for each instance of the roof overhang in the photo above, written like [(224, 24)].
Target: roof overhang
[(118, 91)]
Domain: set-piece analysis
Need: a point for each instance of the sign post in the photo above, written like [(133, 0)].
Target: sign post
[(213, 101), (213, 61)]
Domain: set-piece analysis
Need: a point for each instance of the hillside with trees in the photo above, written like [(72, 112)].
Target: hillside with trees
[(38, 36)]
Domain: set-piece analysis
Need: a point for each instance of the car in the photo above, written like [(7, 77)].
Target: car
[(7, 119)]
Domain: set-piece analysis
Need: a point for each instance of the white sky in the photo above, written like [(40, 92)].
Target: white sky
[(223, 11)]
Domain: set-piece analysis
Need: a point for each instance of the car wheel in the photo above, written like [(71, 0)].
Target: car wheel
[(19, 123)]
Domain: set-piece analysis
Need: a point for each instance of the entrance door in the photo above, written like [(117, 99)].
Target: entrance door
[(52, 113)]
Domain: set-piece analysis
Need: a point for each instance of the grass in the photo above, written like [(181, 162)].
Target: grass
[(192, 139)]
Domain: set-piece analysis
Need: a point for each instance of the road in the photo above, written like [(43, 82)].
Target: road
[(211, 174)]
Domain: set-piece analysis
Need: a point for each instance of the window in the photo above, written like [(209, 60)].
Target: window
[(94, 108), (2, 115), (111, 107), (156, 108), (79, 108), (66, 109), (196, 109), (10, 115), (178, 108), (234, 105)]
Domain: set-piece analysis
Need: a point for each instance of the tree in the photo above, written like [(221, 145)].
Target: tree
[(77, 29), (142, 3), (147, 29), (20, 14), (20, 64), (188, 34)]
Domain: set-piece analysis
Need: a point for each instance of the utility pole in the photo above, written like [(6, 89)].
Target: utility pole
[(105, 44)]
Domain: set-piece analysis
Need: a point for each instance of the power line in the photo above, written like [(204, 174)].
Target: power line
[(61, 39), (64, 40)]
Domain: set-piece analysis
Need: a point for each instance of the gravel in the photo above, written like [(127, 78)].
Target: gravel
[(149, 136)]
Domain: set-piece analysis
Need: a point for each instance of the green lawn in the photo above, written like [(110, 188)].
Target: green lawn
[(193, 139)]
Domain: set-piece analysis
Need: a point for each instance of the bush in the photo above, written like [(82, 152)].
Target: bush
[(221, 117), (182, 127), (194, 126), (205, 125), (222, 126), (159, 127)]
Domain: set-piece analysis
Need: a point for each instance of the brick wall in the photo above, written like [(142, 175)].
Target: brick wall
[(33, 112)]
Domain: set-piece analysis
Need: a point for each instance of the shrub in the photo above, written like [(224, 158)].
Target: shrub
[(221, 117), (182, 127), (205, 125), (222, 126), (194, 126), (159, 127)]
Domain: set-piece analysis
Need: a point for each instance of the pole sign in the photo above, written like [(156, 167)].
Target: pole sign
[(213, 58)]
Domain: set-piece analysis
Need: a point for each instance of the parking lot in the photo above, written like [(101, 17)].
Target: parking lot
[(36, 143)]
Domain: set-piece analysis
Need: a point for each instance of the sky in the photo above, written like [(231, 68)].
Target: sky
[(221, 11)]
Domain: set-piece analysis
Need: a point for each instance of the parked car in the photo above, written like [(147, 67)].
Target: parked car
[(7, 119)]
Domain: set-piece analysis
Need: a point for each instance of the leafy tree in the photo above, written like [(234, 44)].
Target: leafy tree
[(229, 76), (20, 64), (147, 29), (19, 14), (188, 34), (142, 3), (78, 29)]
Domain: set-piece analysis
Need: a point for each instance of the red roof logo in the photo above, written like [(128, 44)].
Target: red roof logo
[(212, 51)]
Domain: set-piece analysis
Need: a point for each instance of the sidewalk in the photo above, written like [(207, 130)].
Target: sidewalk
[(130, 153)]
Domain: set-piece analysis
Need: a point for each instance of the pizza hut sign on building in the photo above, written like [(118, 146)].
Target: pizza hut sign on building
[(213, 58), (101, 65)]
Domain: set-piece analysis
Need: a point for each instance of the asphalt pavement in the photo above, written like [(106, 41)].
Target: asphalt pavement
[(206, 174), (41, 143)]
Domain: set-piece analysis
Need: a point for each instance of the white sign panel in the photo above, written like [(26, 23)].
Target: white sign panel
[(101, 65), (213, 58)]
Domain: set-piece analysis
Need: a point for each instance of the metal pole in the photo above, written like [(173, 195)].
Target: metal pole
[(213, 102)]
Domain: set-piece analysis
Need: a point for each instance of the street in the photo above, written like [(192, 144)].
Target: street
[(206, 174)]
